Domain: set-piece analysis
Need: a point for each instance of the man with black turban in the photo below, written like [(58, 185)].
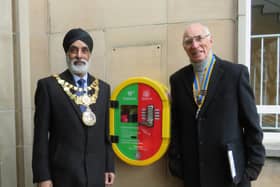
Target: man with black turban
[(71, 145)]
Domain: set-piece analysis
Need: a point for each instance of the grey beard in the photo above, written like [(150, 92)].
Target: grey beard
[(77, 69)]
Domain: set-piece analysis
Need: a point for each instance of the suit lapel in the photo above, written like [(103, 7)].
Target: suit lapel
[(213, 84), (67, 76), (188, 77), (90, 80)]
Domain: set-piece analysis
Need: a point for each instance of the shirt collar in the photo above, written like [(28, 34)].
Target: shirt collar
[(76, 78), (200, 67)]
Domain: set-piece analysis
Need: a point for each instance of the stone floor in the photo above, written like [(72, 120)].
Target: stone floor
[(270, 175)]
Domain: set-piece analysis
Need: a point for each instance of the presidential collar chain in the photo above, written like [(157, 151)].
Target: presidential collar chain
[(89, 97)]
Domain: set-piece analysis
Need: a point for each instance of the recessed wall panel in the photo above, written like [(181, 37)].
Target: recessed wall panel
[(190, 10), (131, 61), (133, 38), (7, 132), (6, 72), (8, 167), (6, 16), (66, 14), (134, 12)]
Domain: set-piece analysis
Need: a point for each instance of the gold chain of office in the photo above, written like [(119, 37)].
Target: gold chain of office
[(84, 99)]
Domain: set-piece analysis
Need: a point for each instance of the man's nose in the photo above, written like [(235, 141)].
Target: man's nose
[(79, 54)]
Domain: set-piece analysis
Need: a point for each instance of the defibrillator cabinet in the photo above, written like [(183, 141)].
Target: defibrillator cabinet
[(140, 121)]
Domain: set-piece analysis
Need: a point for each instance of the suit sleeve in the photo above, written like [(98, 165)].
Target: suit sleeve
[(249, 120), (109, 152), (40, 157), (174, 153), (174, 148)]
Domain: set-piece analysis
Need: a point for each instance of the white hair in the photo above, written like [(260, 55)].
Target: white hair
[(205, 28)]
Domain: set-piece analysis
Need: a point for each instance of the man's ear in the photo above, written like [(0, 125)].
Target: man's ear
[(211, 39)]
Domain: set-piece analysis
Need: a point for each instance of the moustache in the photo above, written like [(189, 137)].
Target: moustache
[(79, 62)]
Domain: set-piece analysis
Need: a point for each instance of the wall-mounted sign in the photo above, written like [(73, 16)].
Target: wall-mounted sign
[(140, 121)]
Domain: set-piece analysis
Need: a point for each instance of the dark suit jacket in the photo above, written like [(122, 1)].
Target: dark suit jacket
[(227, 118), (65, 150)]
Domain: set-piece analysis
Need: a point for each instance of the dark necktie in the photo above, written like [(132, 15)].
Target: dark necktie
[(80, 92), (81, 83)]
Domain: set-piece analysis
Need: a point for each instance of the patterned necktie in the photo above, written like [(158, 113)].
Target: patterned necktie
[(81, 83)]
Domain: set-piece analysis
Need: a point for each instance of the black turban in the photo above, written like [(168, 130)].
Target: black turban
[(74, 35)]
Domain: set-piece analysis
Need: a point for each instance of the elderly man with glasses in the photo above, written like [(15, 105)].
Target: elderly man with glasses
[(216, 137)]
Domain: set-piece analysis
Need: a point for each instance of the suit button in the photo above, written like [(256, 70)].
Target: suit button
[(201, 143)]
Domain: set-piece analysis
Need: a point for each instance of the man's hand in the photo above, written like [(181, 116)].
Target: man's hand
[(109, 178), (47, 183)]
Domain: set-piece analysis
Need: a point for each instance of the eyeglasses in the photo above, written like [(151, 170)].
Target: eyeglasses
[(75, 50), (188, 41)]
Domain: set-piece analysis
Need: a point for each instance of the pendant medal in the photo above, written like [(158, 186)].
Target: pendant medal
[(84, 99), (89, 117)]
